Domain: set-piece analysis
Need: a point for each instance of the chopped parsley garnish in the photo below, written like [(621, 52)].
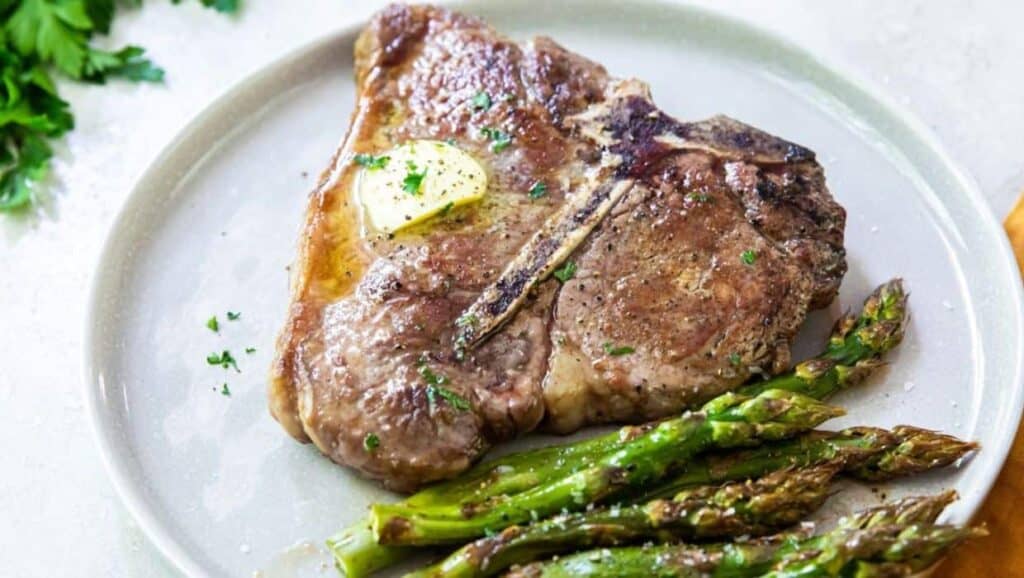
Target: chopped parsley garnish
[(436, 389), (482, 101), (447, 208), (734, 358), (698, 197), (429, 376), (455, 400), (538, 190), (372, 162), (225, 360), (748, 257), (466, 320), (213, 325), (565, 272), (371, 442), (232, 316), (450, 141), (225, 390), (616, 351), (499, 139), (413, 178), (250, 350)]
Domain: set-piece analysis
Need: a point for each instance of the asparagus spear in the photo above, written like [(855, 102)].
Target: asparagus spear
[(855, 339), (798, 482), (756, 507), (880, 551), (734, 420), (899, 537), (906, 550), (871, 454)]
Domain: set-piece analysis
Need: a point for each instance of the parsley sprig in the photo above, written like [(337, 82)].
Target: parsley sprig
[(481, 101), (223, 359), (372, 162), (413, 178), (565, 272), (499, 138), (538, 190), (436, 390), (614, 351), (40, 37)]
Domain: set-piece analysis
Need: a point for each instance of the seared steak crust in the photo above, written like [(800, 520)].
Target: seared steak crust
[(369, 337)]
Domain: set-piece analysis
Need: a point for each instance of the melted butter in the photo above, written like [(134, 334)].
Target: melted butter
[(346, 260), (416, 182), (340, 259)]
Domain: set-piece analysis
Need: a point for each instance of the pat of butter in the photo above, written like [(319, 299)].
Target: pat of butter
[(419, 180)]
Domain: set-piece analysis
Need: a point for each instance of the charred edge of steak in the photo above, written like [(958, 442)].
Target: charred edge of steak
[(635, 127)]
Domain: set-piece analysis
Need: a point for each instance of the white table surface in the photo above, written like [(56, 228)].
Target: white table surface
[(956, 64)]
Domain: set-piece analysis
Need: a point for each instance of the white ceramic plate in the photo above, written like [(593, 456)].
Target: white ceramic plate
[(212, 226)]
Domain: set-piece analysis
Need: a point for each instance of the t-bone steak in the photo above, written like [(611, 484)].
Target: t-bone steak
[(697, 248)]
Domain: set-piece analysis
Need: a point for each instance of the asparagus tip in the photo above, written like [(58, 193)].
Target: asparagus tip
[(912, 510), (882, 320), (919, 450)]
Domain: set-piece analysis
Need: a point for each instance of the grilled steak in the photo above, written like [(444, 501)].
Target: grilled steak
[(698, 250)]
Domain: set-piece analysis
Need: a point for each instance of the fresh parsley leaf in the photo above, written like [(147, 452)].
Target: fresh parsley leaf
[(482, 101), (39, 36), (565, 272), (413, 178), (748, 257), (101, 14), (698, 197), (55, 32), (499, 139), (616, 351), (126, 63), (372, 162), (371, 442), (213, 325), (734, 358), (233, 316), (224, 359), (447, 208), (225, 390), (466, 320), (24, 164), (58, 32), (538, 190), (250, 350), (225, 6)]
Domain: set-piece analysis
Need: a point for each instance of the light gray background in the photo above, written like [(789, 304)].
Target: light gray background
[(955, 64)]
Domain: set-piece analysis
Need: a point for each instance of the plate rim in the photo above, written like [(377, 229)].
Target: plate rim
[(134, 499)]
